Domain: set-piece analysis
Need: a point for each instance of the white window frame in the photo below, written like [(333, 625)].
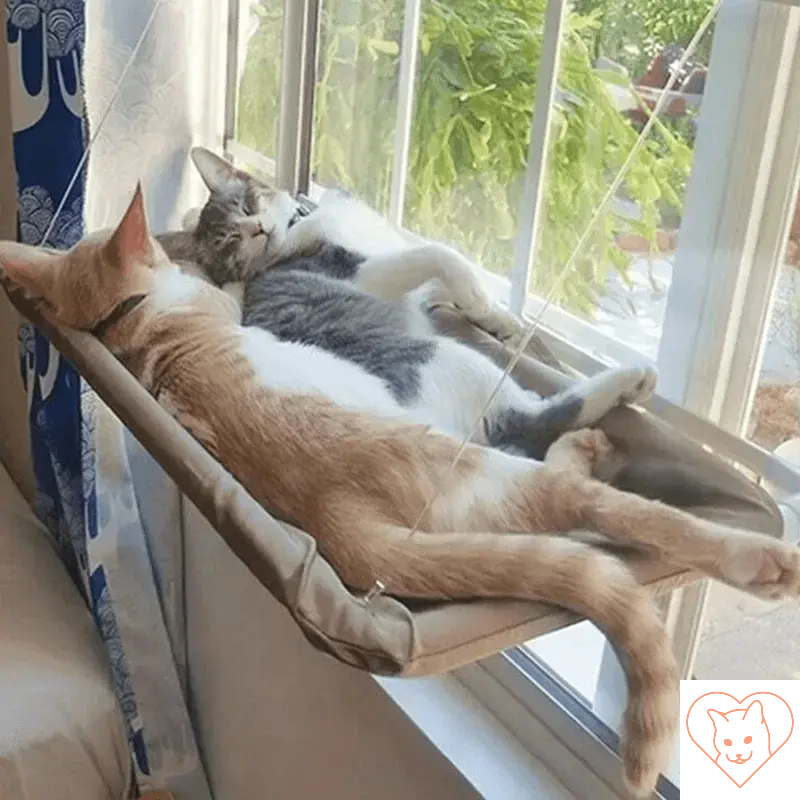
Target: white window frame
[(736, 220)]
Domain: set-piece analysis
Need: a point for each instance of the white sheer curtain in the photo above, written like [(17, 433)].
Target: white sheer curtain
[(171, 98)]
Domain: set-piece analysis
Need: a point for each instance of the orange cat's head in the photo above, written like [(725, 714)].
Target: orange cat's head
[(741, 734), (81, 287)]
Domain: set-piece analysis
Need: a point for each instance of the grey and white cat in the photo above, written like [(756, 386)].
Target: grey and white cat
[(344, 280)]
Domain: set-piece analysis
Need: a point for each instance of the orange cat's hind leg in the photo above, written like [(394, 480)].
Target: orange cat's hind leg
[(754, 562)]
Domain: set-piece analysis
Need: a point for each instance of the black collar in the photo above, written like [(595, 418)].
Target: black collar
[(117, 313)]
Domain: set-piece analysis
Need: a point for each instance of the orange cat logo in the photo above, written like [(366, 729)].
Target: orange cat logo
[(740, 736)]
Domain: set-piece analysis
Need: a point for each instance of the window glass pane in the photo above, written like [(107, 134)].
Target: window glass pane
[(260, 53), (575, 655), (472, 112), (580, 660), (472, 119), (744, 637), (356, 99), (617, 56)]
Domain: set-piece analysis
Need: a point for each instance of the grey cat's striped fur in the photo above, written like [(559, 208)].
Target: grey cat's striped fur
[(300, 305)]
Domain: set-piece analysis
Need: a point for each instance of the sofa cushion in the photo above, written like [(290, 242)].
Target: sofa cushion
[(61, 730)]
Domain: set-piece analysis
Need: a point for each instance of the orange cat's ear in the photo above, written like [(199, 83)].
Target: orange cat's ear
[(214, 170), (754, 712), (130, 243), (30, 267)]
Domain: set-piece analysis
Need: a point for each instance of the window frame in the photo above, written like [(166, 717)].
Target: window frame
[(736, 204), (407, 81), (708, 376), (553, 724)]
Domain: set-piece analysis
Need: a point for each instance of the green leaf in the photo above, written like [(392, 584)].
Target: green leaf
[(613, 77), (477, 92), (477, 143), (382, 46)]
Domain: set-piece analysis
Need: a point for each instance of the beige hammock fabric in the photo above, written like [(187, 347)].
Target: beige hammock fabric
[(386, 636)]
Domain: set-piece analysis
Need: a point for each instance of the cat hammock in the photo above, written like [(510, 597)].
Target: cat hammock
[(382, 634)]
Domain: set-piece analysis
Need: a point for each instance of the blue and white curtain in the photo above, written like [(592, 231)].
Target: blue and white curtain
[(85, 489)]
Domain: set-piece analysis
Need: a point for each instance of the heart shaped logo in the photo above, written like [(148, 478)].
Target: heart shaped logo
[(740, 736)]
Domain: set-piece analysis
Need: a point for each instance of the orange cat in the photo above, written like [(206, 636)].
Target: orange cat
[(357, 476)]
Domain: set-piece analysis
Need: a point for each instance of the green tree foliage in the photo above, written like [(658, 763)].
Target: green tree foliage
[(633, 32), (471, 123)]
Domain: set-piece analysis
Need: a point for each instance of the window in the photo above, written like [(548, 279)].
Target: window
[(623, 273), (500, 126), (255, 75), (743, 637)]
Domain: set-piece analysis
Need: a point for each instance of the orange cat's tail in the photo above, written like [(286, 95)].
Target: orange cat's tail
[(544, 568)]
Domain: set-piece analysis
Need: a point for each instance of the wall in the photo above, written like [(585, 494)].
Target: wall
[(14, 441), (277, 718)]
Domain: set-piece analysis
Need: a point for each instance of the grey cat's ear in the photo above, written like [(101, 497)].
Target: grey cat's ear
[(214, 170)]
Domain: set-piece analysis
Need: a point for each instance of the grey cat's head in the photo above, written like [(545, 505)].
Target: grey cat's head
[(244, 223)]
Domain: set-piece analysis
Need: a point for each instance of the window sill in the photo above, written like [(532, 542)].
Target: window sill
[(480, 747)]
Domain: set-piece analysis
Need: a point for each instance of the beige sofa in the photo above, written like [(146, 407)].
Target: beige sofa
[(61, 729)]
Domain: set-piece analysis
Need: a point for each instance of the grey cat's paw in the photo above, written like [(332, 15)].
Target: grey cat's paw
[(470, 296), (504, 326), (474, 303), (642, 382), (612, 388), (462, 282)]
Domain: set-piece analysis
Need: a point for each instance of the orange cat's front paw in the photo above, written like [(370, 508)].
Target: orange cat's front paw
[(766, 568), (592, 442), (582, 449)]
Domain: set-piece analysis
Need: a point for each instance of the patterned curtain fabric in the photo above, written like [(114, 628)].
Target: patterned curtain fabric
[(85, 489), (44, 54)]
